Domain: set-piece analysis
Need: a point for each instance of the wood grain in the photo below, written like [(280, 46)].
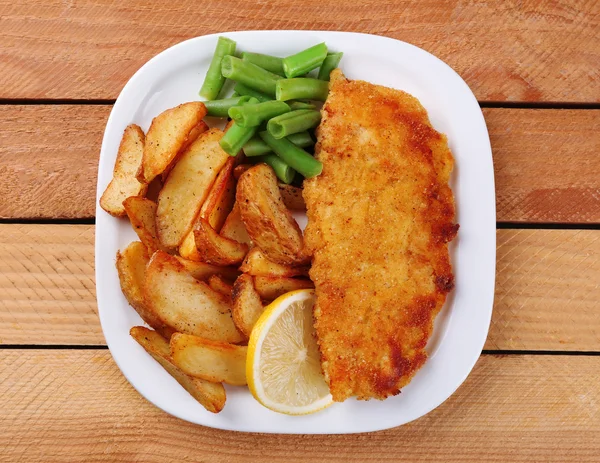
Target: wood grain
[(546, 288), (47, 289), (72, 406), (49, 160), (506, 50), (546, 164), (49, 156)]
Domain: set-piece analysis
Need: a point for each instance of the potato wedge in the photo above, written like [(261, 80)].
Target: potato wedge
[(234, 228), (203, 271), (220, 286), (131, 266), (270, 288), (268, 222), (247, 306), (198, 129), (257, 264), (142, 215), (210, 395), (216, 249), (168, 132), (292, 197), (216, 208), (124, 183), (187, 187), (186, 304), (239, 170), (209, 360)]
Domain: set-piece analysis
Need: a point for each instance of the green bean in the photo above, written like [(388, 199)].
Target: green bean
[(331, 62), (214, 80), (305, 61), (220, 108), (245, 90), (237, 136), (302, 88), (249, 74), (257, 147), (283, 171), (294, 122), (270, 63), (295, 157), (235, 94), (256, 114), (300, 105)]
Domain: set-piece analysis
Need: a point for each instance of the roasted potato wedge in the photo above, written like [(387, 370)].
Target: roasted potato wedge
[(247, 306), (216, 249), (187, 187), (168, 132), (268, 222), (142, 214), (270, 288), (124, 182), (209, 360), (257, 264), (239, 170), (220, 286), (210, 395), (216, 208), (131, 266), (186, 304), (234, 228), (203, 271), (199, 128), (292, 197)]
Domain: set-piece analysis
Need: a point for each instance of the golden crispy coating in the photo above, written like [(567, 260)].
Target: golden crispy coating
[(380, 217)]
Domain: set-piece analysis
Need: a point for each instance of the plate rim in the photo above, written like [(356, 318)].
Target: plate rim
[(101, 217)]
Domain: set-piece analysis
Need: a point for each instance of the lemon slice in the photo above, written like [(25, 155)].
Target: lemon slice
[(283, 366)]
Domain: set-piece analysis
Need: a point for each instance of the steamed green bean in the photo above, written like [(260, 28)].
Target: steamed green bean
[(257, 147), (214, 79), (329, 64), (255, 114), (270, 63), (249, 74), (293, 122), (305, 61), (220, 108), (295, 157), (302, 88)]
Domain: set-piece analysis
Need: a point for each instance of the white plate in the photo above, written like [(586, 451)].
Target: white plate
[(174, 77)]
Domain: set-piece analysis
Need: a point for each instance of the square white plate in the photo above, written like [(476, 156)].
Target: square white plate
[(174, 77)]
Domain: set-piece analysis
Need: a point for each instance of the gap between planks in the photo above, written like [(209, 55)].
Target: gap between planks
[(546, 288), (51, 152)]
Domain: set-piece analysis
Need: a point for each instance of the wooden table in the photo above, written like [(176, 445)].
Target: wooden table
[(533, 396)]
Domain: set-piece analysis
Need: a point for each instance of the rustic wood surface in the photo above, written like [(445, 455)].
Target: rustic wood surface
[(76, 406), (534, 67), (547, 288), (505, 50), (49, 161)]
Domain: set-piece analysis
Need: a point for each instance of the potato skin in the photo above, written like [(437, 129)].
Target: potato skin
[(269, 223)]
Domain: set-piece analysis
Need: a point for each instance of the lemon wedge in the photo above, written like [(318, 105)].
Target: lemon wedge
[(283, 365)]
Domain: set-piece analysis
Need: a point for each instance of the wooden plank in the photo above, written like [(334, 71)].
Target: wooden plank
[(72, 406), (546, 288), (47, 289), (502, 48), (49, 160), (546, 164), (49, 156)]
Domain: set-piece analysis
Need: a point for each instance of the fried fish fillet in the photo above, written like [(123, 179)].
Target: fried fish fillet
[(380, 217)]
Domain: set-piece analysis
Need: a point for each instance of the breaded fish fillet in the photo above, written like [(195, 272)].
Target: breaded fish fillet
[(380, 217)]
